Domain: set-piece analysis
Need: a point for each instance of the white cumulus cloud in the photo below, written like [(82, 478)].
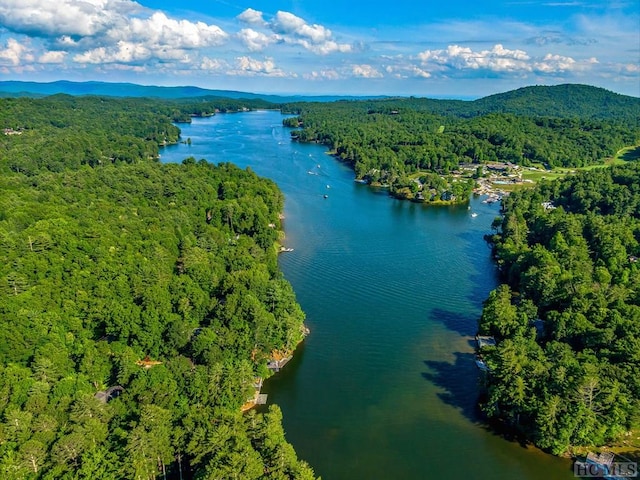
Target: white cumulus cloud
[(248, 66), (107, 31), (252, 17), (315, 38), (162, 30), (560, 63), (288, 23), (15, 53), (64, 17), (365, 71), (52, 56), (501, 60), (498, 59), (124, 52), (213, 64), (255, 41)]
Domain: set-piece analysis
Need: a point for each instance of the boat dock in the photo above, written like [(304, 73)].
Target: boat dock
[(485, 341), (276, 365), (258, 398)]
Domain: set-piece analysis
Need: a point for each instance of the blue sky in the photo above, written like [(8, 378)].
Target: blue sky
[(447, 48)]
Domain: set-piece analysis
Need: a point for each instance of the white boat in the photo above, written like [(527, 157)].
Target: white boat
[(474, 214), (481, 364)]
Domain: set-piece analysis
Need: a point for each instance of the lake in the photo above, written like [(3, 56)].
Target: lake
[(386, 385)]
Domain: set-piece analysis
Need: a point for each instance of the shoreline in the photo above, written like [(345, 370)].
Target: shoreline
[(278, 361)]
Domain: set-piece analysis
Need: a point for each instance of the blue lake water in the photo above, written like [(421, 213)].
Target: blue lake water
[(385, 386)]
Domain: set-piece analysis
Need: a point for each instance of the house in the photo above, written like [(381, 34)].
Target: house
[(447, 196), (485, 341)]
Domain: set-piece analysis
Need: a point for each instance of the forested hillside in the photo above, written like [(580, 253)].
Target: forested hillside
[(61, 132), (140, 301), (559, 101), (566, 368), (389, 141)]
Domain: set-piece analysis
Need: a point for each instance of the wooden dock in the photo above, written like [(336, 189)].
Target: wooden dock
[(276, 365)]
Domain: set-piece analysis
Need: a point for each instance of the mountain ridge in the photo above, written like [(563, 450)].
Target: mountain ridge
[(122, 89), (564, 100)]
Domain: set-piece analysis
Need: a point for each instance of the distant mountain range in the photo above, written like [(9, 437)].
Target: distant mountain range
[(568, 100), (14, 88)]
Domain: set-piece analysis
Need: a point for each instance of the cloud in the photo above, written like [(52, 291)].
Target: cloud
[(255, 41), (497, 59), (399, 68), (287, 28), (108, 31), (52, 57), (178, 34), (248, 66), (501, 60), (288, 23), (252, 17), (315, 38), (322, 75), (560, 64), (64, 17), (14, 53), (559, 39), (124, 52), (213, 64), (365, 71), (631, 68), (419, 72)]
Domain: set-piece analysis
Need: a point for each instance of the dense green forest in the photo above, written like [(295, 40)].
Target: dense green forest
[(566, 368), (140, 301), (62, 132), (390, 141)]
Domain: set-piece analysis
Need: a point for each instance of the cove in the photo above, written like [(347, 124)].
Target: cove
[(385, 386)]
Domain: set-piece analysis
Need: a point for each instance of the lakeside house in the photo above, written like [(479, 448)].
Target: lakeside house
[(485, 341)]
